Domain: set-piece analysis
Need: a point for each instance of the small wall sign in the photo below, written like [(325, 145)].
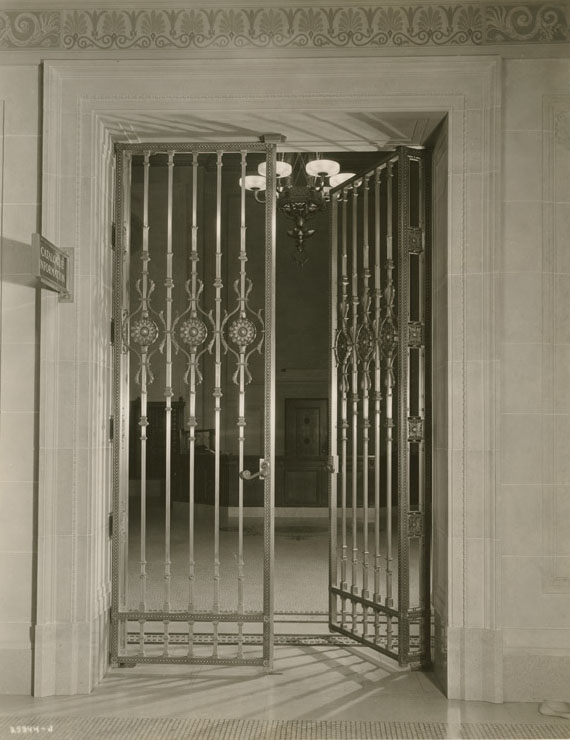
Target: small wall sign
[(53, 267)]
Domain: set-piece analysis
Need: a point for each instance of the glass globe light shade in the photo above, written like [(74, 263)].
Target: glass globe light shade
[(322, 168), (253, 182), (282, 169), (340, 178)]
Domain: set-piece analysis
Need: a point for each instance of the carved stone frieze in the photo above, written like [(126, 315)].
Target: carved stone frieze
[(526, 23), (465, 24), (33, 29)]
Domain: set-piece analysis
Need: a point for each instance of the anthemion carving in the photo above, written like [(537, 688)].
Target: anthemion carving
[(412, 25)]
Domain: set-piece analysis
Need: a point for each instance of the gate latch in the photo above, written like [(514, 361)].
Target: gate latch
[(331, 465), (262, 473)]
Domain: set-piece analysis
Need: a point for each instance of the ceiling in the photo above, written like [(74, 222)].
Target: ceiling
[(304, 131)]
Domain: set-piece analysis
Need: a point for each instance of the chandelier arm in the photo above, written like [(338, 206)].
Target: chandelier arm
[(299, 202)]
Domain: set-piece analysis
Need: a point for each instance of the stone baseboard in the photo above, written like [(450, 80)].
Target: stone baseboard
[(475, 664), (16, 671), (536, 676)]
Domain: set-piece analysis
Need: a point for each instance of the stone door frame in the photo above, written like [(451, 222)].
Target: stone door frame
[(90, 104)]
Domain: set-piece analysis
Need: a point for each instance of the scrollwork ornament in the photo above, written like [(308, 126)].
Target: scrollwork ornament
[(365, 343), (526, 22), (342, 347), (243, 330), (388, 337), (142, 330), (192, 329), (30, 29)]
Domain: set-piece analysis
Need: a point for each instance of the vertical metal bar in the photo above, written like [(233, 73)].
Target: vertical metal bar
[(344, 406), (377, 398), (120, 541), (269, 432), (217, 396), (144, 397), (421, 350), (124, 431), (365, 384), (425, 213), (168, 284), (333, 413), (389, 382), (403, 405), (423, 597), (192, 421), (124, 257), (241, 410), (354, 400)]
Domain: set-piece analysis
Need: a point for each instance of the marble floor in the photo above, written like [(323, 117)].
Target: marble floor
[(315, 692), (309, 683)]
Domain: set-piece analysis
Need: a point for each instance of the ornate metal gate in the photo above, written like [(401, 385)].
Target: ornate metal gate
[(380, 409), (193, 324)]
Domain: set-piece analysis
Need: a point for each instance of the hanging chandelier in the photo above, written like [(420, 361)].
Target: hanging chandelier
[(302, 191)]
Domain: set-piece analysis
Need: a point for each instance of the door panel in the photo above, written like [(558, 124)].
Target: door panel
[(306, 427), (194, 325), (380, 409)]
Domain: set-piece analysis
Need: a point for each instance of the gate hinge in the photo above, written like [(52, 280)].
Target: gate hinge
[(415, 524), (111, 522), (112, 331), (415, 334), (415, 429), (111, 428), (113, 235), (415, 240)]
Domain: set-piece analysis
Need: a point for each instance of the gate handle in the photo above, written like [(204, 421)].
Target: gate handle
[(331, 465), (261, 473)]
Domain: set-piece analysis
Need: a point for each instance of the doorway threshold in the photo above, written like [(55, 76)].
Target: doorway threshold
[(285, 512)]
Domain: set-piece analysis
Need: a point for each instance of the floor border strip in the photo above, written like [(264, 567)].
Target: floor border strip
[(160, 728)]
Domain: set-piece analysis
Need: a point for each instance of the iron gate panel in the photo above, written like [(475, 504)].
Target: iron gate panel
[(380, 488), (194, 317)]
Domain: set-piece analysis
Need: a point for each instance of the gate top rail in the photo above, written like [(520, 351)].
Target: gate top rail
[(191, 147), (389, 157)]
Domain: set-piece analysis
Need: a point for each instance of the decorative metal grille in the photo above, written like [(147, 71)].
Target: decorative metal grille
[(195, 307), (188, 349), (380, 409)]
